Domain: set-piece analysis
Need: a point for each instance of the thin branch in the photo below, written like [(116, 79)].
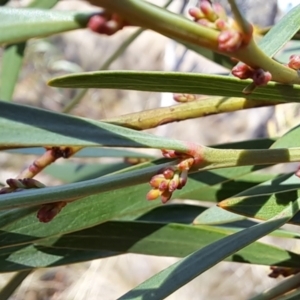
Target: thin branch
[(199, 108), (146, 15)]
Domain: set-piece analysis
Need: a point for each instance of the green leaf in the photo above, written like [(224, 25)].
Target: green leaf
[(281, 33), (216, 215), (133, 237), (88, 212), (21, 24), (264, 143), (160, 238), (12, 60), (74, 172), (23, 126), (171, 279), (87, 152), (266, 200), (217, 185), (177, 82), (288, 140)]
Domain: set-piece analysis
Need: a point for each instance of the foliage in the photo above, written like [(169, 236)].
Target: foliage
[(108, 203)]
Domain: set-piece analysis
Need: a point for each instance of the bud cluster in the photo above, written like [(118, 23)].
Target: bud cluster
[(259, 76), (214, 16), (172, 178), (17, 185)]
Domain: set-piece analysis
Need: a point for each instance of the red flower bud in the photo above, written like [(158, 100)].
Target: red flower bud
[(229, 40), (153, 194), (48, 211)]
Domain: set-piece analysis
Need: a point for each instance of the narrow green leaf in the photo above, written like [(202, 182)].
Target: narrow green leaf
[(133, 237), (87, 152), (264, 143), (23, 126), (218, 185), (281, 33), (267, 199), (171, 279), (21, 24), (216, 215), (177, 82), (74, 172), (290, 139), (160, 238), (12, 60)]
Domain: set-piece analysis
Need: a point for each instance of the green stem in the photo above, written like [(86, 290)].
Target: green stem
[(199, 108), (212, 159), (280, 289), (13, 284), (145, 15), (219, 158)]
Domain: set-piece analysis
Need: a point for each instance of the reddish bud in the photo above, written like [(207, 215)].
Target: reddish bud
[(169, 153), (221, 24), (169, 173), (182, 179), (196, 13), (97, 23), (164, 185), (208, 10), (173, 184), (206, 23), (242, 71), (48, 211), (220, 11), (153, 194), (261, 77), (31, 183), (294, 62), (184, 97), (229, 40), (166, 196), (15, 183), (186, 164), (105, 24), (282, 271), (157, 180)]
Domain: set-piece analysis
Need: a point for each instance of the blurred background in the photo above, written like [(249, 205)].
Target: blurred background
[(83, 50)]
